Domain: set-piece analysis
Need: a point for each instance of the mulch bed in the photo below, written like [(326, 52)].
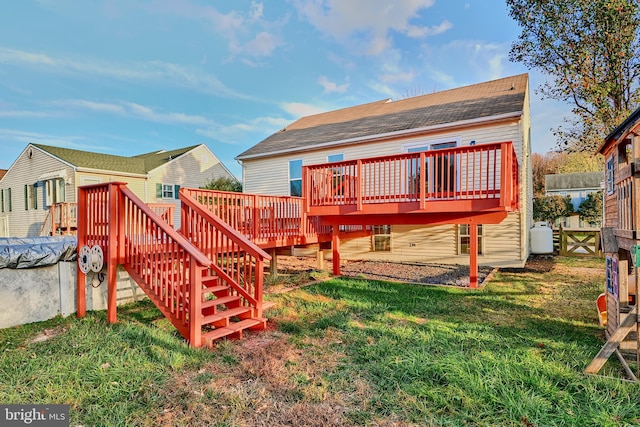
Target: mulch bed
[(435, 274)]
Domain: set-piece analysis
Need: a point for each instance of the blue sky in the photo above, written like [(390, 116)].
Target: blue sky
[(127, 77)]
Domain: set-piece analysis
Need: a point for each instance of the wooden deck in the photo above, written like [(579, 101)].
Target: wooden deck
[(441, 186)]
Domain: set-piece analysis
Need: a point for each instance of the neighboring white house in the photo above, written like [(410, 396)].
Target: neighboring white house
[(495, 111), (44, 175), (577, 186)]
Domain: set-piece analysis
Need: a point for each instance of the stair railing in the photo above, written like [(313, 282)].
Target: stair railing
[(237, 261), (163, 262)]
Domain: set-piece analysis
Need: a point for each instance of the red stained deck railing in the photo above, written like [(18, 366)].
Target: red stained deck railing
[(164, 263), (457, 176), (268, 221), (236, 261)]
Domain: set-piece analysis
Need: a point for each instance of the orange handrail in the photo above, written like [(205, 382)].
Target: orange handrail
[(236, 260), (483, 171), (260, 218), (164, 263)]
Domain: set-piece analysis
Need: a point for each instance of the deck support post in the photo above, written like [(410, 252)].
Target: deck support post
[(273, 264), (335, 247), (473, 255), (111, 257), (81, 278), (320, 257)]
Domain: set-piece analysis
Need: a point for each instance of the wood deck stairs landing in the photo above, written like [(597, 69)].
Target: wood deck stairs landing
[(206, 279)]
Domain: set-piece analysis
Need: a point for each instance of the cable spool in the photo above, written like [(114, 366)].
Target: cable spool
[(91, 259)]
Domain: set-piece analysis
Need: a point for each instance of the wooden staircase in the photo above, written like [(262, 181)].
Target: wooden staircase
[(207, 279), (223, 314)]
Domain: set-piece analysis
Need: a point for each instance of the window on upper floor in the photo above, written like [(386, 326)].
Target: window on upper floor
[(295, 178), (167, 191), (610, 175), (442, 175)]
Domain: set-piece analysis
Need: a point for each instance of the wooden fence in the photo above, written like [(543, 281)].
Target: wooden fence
[(577, 242)]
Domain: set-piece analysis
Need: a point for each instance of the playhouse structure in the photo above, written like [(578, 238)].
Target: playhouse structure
[(621, 244)]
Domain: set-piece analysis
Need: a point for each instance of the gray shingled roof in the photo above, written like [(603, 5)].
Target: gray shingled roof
[(140, 164), (573, 181), (487, 99)]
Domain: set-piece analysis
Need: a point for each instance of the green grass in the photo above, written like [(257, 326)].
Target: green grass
[(344, 352)]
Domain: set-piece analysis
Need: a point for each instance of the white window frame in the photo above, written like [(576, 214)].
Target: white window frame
[(428, 145), (375, 232), (55, 191), (610, 174), (290, 180), (168, 191), (460, 235)]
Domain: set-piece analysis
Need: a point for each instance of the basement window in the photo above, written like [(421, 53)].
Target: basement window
[(381, 238), (464, 239)]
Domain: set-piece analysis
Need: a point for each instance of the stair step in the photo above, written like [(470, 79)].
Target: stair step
[(215, 289), (226, 314), (222, 300), (234, 328), (210, 281)]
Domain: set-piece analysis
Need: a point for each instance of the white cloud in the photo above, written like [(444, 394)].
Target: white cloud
[(383, 89), (330, 87), (90, 105), (239, 132), (244, 30), (133, 110), (151, 71), (298, 109), (26, 114), (262, 45), (372, 20), (25, 137)]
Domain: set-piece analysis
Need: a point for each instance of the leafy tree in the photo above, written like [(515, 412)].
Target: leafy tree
[(544, 164), (590, 210), (591, 51), (223, 184), (550, 208), (581, 162)]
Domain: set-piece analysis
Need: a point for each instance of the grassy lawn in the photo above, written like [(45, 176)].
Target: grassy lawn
[(343, 352)]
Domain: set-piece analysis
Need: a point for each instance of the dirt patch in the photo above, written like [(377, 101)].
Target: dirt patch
[(436, 274)]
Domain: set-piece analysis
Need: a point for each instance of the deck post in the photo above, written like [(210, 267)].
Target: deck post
[(473, 255), (111, 257), (273, 264), (360, 183), (81, 291), (335, 247)]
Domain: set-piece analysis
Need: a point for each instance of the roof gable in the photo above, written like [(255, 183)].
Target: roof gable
[(140, 164), (630, 124), (484, 100)]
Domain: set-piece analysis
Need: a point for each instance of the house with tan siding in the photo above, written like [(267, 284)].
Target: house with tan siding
[(44, 177), (484, 113)]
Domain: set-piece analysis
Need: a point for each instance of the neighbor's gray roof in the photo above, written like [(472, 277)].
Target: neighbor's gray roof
[(497, 97), (573, 181), (140, 164)]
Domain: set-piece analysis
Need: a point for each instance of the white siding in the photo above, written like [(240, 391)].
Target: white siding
[(438, 244), (26, 171), (506, 244), (271, 175), (193, 170)]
